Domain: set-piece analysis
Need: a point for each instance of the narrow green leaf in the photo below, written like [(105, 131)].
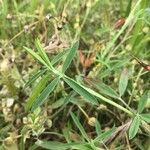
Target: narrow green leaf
[(98, 128), (123, 82), (142, 102), (80, 127), (107, 100), (80, 90), (104, 135), (33, 147), (43, 96), (107, 90), (66, 134), (58, 57), (35, 92), (82, 147), (53, 145), (70, 56), (65, 102), (35, 76), (129, 6), (146, 117), (138, 26), (42, 52), (35, 55), (4, 130), (58, 103), (134, 127)]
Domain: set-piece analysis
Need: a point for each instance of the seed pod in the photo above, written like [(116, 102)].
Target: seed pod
[(145, 66), (119, 23), (92, 121)]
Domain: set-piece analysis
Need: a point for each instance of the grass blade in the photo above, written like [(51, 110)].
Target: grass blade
[(104, 135), (146, 117), (53, 145), (128, 10), (80, 127), (80, 90), (70, 56), (40, 100), (107, 90), (90, 98), (35, 76), (42, 52), (35, 55), (66, 101), (142, 102), (35, 92), (134, 127), (123, 82), (58, 57), (98, 128)]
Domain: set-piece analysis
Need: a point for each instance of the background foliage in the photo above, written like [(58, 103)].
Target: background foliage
[(70, 78)]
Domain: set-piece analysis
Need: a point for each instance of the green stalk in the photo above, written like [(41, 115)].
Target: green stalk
[(105, 99), (109, 101), (128, 21)]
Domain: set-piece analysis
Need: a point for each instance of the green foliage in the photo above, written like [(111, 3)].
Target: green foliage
[(42, 52), (73, 42), (45, 93), (80, 127), (36, 91), (35, 77), (123, 82), (146, 117), (142, 102), (79, 89), (58, 145), (70, 56), (106, 90), (98, 128), (58, 57), (104, 135), (134, 127), (36, 56)]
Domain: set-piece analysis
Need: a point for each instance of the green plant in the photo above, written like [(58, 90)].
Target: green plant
[(82, 90), (90, 94), (87, 144)]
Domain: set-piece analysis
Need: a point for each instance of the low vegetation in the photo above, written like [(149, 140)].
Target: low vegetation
[(75, 75)]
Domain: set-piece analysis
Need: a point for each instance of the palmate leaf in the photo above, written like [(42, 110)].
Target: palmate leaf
[(49, 88), (80, 90), (70, 57), (134, 127)]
